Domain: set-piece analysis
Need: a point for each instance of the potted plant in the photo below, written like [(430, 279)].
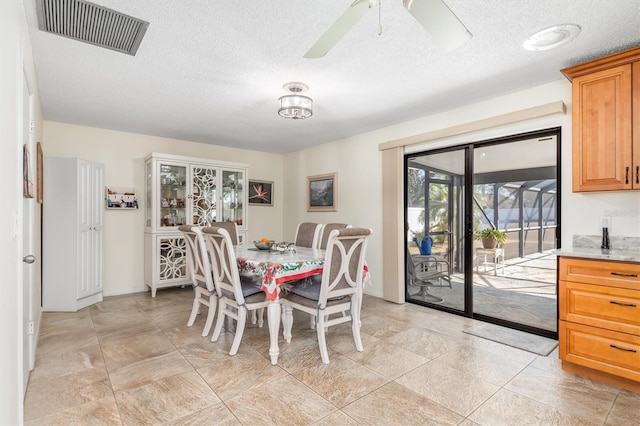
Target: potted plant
[(490, 237)]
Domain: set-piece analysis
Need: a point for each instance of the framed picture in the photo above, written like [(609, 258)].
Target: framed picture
[(260, 193), (322, 193), (27, 177), (120, 198)]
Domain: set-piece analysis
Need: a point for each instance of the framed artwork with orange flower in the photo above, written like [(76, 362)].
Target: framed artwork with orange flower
[(260, 193)]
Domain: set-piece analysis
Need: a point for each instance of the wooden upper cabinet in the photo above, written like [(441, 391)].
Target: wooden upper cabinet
[(635, 145), (606, 130)]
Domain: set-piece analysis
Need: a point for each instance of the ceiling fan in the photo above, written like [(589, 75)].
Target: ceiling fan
[(434, 15)]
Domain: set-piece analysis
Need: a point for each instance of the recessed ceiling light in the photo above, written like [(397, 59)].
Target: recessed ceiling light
[(551, 37)]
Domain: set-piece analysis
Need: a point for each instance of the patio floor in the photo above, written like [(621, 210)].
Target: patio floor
[(525, 293)]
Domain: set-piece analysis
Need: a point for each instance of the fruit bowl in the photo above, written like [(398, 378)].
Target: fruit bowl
[(263, 245)]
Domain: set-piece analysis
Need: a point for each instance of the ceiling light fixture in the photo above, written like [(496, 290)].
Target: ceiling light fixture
[(551, 37), (295, 106)]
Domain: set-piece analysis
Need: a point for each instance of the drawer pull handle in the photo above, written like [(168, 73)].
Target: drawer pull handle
[(637, 174), (623, 349), (630, 305), (626, 176), (620, 274)]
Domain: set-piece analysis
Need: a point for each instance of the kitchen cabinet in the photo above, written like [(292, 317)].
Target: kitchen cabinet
[(606, 130), (599, 330), (72, 234), (187, 191)]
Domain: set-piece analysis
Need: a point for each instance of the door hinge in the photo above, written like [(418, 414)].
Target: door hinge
[(30, 328), (32, 126)]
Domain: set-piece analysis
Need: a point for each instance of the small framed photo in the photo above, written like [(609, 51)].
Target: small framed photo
[(27, 176), (322, 193), (260, 193), (120, 198)]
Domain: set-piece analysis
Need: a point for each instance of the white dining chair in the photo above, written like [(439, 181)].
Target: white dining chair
[(323, 238), (231, 228), (339, 290), (236, 297), (199, 269), (325, 230), (307, 234)]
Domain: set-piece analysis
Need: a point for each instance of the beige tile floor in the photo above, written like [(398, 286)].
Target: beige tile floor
[(132, 360)]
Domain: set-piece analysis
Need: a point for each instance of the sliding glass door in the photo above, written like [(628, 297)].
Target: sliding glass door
[(435, 201), (508, 185)]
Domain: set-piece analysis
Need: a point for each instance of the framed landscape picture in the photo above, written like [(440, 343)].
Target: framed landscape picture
[(322, 193), (260, 193)]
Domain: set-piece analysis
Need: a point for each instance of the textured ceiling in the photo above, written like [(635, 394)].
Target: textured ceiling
[(212, 71)]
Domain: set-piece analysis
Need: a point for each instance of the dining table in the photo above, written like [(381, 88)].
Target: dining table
[(275, 267)]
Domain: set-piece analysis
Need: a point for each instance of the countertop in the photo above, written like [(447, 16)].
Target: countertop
[(627, 255)]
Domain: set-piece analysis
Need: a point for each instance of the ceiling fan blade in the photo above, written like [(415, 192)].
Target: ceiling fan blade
[(439, 21), (345, 22)]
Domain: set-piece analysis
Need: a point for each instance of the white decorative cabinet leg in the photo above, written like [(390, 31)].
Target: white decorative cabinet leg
[(169, 266)]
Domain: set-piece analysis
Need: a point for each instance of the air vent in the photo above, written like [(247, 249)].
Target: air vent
[(90, 23)]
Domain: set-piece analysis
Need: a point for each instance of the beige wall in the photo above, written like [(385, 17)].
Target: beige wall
[(123, 157)]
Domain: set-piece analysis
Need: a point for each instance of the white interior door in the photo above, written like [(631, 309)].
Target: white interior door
[(27, 241)]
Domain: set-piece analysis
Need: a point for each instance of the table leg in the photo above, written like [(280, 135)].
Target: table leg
[(495, 265), (273, 315), (287, 322)]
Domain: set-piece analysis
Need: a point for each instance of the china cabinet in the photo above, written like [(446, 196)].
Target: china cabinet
[(606, 125), (185, 191), (599, 327), (72, 234)]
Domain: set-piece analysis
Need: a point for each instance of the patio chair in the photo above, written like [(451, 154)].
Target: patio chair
[(339, 290), (425, 272)]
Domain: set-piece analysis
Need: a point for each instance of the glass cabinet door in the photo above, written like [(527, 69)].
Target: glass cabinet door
[(232, 196), (173, 195), (148, 207), (204, 196)]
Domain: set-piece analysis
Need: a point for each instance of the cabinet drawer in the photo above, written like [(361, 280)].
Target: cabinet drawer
[(607, 351), (607, 307), (613, 274)]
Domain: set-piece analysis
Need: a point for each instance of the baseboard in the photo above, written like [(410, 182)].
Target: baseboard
[(125, 291), (36, 333), (377, 294), (611, 379)]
